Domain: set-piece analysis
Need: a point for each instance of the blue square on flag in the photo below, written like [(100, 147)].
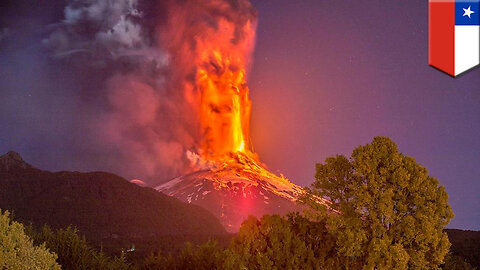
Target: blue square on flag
[(467, 12)]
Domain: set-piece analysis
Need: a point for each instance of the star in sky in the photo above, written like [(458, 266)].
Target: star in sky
[(468, 12)]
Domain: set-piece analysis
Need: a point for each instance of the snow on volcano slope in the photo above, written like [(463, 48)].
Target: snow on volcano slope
[(235, 190)]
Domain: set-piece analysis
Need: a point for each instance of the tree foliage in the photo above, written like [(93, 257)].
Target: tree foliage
[(17, 250), (391, 212), (73, 250), (203, 257), (271, 243)]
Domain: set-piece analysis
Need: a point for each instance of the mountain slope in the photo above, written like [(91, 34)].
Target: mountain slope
[(101, 205), (234, 189)]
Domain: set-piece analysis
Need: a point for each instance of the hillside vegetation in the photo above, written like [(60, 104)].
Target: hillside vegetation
[(104, 207)]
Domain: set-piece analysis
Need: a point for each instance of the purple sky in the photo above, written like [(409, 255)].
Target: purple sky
[(327, 77)]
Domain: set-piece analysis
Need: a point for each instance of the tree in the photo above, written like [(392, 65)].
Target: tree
[(316, 236), (270, 243), (203, 257), (17, 250), (391, 213), (73, 250)]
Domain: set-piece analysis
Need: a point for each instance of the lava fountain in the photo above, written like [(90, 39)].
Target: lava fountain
[(226, 175), (224, 107)]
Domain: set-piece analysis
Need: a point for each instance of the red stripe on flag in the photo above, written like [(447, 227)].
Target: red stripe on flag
[(441, 35)]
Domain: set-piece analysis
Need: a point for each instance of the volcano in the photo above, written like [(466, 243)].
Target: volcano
[(234, 189), (225, 174)]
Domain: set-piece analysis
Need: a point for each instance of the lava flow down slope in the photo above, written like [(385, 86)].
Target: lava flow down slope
[(234, 189), (225, 176)]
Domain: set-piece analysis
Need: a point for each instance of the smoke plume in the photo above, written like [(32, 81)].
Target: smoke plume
[(128, 67)]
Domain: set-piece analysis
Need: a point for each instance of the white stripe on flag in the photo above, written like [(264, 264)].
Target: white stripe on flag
[(467, 49)]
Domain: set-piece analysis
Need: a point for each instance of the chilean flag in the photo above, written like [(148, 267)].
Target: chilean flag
[(454, 35)]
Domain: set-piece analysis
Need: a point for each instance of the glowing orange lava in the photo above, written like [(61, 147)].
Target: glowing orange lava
[(224, 101), (224, 112)]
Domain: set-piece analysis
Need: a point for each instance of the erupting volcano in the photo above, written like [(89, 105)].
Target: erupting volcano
[(226, 175)]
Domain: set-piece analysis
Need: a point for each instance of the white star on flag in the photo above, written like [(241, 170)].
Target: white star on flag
[(468, 12)]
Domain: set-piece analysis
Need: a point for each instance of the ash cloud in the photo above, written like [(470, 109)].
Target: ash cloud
[(104, 30), (111, 83)]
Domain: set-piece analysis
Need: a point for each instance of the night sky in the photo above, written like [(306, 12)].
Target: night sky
[(327, 76)]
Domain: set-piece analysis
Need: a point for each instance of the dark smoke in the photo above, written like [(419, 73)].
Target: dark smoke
[(107, 85)]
